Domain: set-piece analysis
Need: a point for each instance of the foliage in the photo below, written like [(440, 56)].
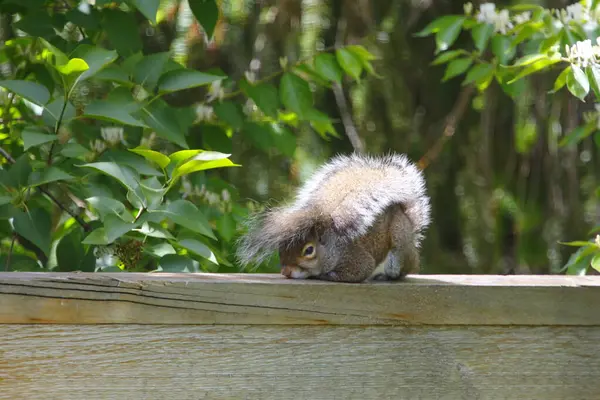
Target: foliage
[(512, 44), (102, 170)]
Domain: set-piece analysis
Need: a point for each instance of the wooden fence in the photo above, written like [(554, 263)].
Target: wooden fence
[(213, 336)]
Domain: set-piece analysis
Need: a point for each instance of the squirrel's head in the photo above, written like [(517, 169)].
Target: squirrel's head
[(308, 257)]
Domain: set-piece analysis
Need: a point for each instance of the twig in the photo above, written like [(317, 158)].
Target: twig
[(450, 127), (86, 227), (57, 128), (340, 98), (10, 251)]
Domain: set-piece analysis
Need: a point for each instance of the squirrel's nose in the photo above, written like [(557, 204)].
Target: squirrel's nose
[(286, 271)]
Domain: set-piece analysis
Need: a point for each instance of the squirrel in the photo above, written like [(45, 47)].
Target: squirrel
[(354, 213)]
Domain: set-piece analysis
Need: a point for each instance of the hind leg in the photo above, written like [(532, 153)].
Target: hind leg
[(404, 255)]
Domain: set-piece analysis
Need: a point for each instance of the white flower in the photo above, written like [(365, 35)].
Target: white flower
[(487, 13), (112, 135), (98, 146), (215, 91), (522, 18), (250, 76), (576, 12), (84, 7), (501, 21), (147, 142), (468, 8), (204, 112), (583, 53)]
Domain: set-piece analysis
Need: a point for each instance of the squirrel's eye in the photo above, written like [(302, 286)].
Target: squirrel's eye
[(308, 251)]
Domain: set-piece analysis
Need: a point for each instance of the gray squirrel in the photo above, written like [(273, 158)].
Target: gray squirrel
[(352, 214)]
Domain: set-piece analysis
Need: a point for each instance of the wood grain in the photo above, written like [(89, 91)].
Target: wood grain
[(297, 362), (82, 298)]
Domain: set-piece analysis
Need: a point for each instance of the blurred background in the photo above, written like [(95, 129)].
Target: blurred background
[(504, 193)]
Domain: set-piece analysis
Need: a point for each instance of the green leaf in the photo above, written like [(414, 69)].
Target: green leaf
[(153, 192), (179, 157), (448, 56), (75, 65), (529, 59), (111, 111), (230, 113), (35, 226), (197, 247), (203, 161), (176, 263), (31, 91), (180, 79), (106, 206), (480, 74), (439, 24), (579, 261), (149, 69), (561, 80), (260, 136), (349, 62), (283, 139), (186, 214), (71, 255), (577, 82), (295, 94), (501, 47), (122, 30), (456, 67), (327, 66), (32, 138), (97, 237), (147, 7), (47, 175), (122, 173), (206, 13), (535, 67), (36, 23), (593, 74), (159, 250), (481, 34), (159, 158), (113, 73), (160, 117), (226, 227), (578, 134), (577, 243), (53, 110), (96, 58), (73, 150), (18, 174), (264, 95), (153, 230), (115, 227), (323, 128), (595, 263), (448, 32)]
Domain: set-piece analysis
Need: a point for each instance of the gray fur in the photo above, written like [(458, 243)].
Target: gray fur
[(346, 195)]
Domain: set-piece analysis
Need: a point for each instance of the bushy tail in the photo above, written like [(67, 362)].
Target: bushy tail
[(269, 230)]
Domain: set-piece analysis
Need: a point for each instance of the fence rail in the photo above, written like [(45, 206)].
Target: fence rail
[(217, 336)]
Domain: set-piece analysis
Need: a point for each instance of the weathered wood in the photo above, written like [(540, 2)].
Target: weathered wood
[(82, 298), (298, 362)]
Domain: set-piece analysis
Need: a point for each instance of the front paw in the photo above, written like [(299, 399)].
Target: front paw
[(294, 272)]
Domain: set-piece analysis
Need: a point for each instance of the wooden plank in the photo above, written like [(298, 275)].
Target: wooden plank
[(82, 298), (298, 362)]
